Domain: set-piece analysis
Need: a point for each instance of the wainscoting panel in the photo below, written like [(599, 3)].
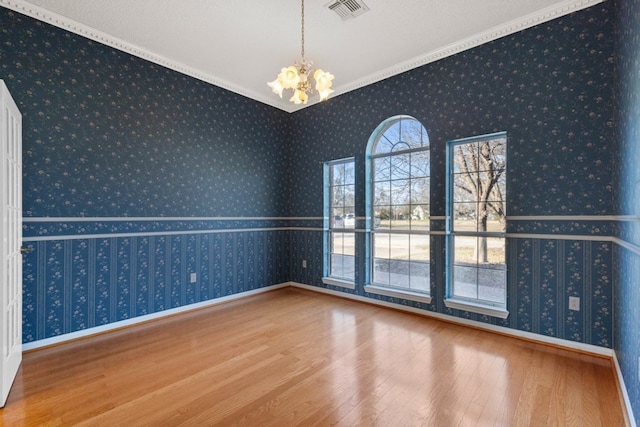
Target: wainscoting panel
[(548, 272), (73, 283)]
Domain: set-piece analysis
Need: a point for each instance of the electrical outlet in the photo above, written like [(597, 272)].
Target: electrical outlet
[(574, 303), (193, 277), (304, 263)]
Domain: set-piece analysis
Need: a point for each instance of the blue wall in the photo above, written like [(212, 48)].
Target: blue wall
[(551, 88), (107, 134), (149, 175), (627, 301), (131, 161)]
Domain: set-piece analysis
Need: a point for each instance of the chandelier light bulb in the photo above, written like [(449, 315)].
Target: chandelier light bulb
[(276, 87), (299, 97), (290, 77)]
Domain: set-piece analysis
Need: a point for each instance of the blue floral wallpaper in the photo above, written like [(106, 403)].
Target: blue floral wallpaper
[(107, 134), (551, 88), (627, 299), (76, 283), (136, 176)]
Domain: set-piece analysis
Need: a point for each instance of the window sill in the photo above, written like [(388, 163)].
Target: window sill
[(338, 282), (398, 293), (488, 310)]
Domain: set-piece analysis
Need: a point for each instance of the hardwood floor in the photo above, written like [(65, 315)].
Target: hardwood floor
[(293, 357)]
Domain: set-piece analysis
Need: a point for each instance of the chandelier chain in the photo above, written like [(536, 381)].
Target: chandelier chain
[(302, 21), (300, 76)]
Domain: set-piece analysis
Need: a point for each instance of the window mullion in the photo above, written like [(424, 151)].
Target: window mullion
[(393, 252), (477, 253), (340, 260)]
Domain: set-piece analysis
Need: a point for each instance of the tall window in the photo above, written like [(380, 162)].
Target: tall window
[(476, 224), (399, 182), (340, 238)]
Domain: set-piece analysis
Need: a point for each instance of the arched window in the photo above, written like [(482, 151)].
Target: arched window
[(398, 180)]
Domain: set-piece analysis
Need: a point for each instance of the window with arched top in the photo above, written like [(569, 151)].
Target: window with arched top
[(398, 182)]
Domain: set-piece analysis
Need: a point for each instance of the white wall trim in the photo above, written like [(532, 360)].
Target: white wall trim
[(145, 318), (306, 229), (563, 218), (574, 218), (168, 218), (583, 237), (630, 218), (263, 229), (626, 245), (623, 389), (529, 336), (633, 218), (147, 234)]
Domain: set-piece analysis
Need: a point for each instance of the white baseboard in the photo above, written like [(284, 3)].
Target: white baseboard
[(586, 348), (631, 420), (529, 336), (145, 318)]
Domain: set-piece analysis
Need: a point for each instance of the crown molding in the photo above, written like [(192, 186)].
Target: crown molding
[(49, 17), (528, 21), (564, 8)]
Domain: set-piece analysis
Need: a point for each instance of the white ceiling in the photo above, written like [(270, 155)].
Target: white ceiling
[(242, 44)]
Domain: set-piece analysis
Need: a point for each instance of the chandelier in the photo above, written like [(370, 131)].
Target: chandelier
[(298, 76)]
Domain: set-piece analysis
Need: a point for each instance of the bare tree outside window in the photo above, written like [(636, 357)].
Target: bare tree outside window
[(479, 189), (477, 218)]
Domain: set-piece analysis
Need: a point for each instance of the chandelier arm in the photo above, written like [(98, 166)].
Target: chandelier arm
[(298, 76)]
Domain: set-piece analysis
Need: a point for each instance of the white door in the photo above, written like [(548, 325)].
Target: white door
[(10, 247)]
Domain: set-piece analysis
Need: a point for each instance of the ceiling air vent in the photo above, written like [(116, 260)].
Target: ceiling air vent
[(347, 9)]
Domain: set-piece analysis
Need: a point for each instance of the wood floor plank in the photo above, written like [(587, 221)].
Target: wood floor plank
[(293, 357)]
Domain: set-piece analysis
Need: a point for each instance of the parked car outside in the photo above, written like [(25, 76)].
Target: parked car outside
[(349, 221)]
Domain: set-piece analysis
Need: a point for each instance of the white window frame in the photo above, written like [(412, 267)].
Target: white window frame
[(389, 289), (333, 227), (467, 303)]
